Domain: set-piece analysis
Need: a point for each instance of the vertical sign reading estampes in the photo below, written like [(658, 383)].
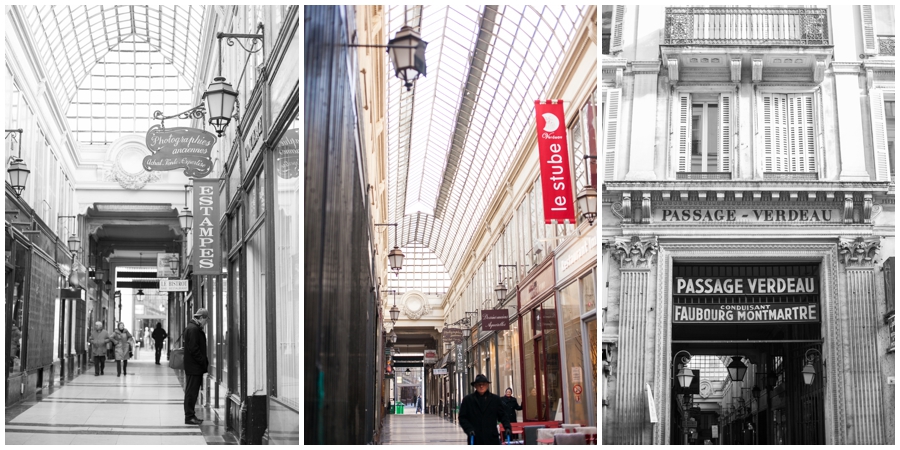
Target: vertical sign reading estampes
[(553, 151), (206, 253)]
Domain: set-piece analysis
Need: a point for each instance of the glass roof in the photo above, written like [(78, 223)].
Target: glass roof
[(73, 39), (422, 271), (451, 138)]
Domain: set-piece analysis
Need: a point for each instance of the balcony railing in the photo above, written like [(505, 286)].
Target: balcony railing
[(747, 26)]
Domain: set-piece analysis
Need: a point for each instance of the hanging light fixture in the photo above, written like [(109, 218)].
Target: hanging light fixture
[(16, 168), (220, 98), (500, 290), (737, 369), (684, 376), (809, 371), (140, 293), (395, 311), (407, 52), (587, 203)]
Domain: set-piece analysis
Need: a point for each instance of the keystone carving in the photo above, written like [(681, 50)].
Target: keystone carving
[(636, 253), (859, 252)]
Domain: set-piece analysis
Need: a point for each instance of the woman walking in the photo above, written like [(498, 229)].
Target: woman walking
[(124, 340)]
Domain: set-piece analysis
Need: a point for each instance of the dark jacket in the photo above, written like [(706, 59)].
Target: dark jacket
[(159, 335), (511, 405), (481, 414), (195, 359)]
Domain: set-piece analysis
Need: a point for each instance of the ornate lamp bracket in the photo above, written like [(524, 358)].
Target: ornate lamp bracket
[(197, 112)]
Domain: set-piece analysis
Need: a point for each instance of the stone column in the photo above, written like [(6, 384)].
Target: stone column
[(850, 123), (643, 121), (861, 367), (635, 258)]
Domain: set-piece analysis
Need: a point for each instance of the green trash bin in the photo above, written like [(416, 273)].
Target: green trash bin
[(400, 407)]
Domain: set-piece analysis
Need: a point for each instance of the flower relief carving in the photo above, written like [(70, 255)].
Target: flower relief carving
[(415, 306), (127, 168), (635, 252), (858, 252)]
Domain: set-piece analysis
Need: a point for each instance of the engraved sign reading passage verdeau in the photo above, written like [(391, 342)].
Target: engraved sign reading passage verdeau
[(761, 215), (180, 148)]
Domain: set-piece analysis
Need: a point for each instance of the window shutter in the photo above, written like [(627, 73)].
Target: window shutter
[(681, 139), (801, 154), (726, 140), (617, 38), (867, 17), (879, 135), (611, 133), (774, 132)]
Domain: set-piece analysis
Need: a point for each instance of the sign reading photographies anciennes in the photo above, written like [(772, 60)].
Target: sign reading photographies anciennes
[(553, 151), (494, 319), (453, 335), (746, 215), (691, 286), (747, 313), (207, 251), (180, 148)]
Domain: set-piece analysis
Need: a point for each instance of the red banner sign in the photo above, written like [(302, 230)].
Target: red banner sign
[(556, 177), (207, 252)]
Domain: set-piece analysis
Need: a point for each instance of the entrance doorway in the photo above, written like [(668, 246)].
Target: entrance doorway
[(746, 335)]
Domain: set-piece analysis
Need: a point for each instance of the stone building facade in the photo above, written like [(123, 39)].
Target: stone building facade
[(747, 146)]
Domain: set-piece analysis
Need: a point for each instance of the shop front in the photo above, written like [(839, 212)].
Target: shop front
[(763, 331), (576, 275), (540, 350)]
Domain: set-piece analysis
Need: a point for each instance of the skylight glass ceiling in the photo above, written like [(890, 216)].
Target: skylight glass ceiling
[(452, 137), (422, 271), (71, 40)]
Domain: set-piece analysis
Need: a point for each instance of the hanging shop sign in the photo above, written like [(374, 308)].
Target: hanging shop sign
[(747, 313), (167, 265), (745, 286), (747, 215), (287, 155), (453, 335), (206, 258), (429, 357), (173, 285), (439, 371), (537, 286), (180, 148), (494, 319), (556, 179)]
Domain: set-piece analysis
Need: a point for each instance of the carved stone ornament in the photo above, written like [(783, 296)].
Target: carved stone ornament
[(127, 169), (636, 253), (859, 252), (415, 306)]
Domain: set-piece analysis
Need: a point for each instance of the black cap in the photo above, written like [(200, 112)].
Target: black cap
[(480, 378)]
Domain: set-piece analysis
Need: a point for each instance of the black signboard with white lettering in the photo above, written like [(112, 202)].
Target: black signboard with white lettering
[(693, 286), (747, 313), (495, 319)]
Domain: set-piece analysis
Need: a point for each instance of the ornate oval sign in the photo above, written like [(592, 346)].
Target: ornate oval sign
[(180, 148)]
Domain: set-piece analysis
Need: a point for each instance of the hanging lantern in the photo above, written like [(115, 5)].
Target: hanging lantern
[(219, 98), (737, 369), (407, 52)]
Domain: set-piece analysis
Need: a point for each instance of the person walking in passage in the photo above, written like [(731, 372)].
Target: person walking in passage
[(479, 413), (159, 335), (195, 363), (124, 341), (419, 405), (511, 404), (98, 340)]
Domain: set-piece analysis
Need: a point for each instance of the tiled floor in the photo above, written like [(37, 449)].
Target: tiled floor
[(420, 429), (144, 407)]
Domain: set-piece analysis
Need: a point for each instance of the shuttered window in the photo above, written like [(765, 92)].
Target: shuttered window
[(788, 133), (612, 108), (703, 132), (618, 23), (883, 163), (866, 16)]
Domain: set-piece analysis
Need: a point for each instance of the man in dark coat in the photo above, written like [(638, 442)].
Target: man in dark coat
[(159, 335), (196, 363), (479, 413)]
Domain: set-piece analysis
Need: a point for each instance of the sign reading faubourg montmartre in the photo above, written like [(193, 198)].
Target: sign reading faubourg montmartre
[(750, 215)]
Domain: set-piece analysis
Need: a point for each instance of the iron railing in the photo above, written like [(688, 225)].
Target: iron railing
[(747, 26)]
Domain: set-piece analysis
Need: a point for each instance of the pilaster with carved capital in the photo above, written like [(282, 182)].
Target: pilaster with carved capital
[(636, 253), (858, 252)]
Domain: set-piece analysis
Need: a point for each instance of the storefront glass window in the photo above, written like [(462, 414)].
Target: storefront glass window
[(234, 340), (592, 358), (17, 308), (286, 206), (530, 407), (589, 296), (510, 375), (552, 376), (256, 310), (576, 400)]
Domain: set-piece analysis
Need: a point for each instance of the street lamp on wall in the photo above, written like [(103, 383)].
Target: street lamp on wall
[(809, 372), (395, 257), (16, 167), (501, 289), (220, 97), (684, 376), (737, 369), (587, 197), (407, 52)]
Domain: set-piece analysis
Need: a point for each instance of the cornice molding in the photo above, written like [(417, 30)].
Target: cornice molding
[(846, 68), (645, 67)]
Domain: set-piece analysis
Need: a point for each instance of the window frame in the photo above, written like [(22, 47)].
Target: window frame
[(727, 152), (815, 91)]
